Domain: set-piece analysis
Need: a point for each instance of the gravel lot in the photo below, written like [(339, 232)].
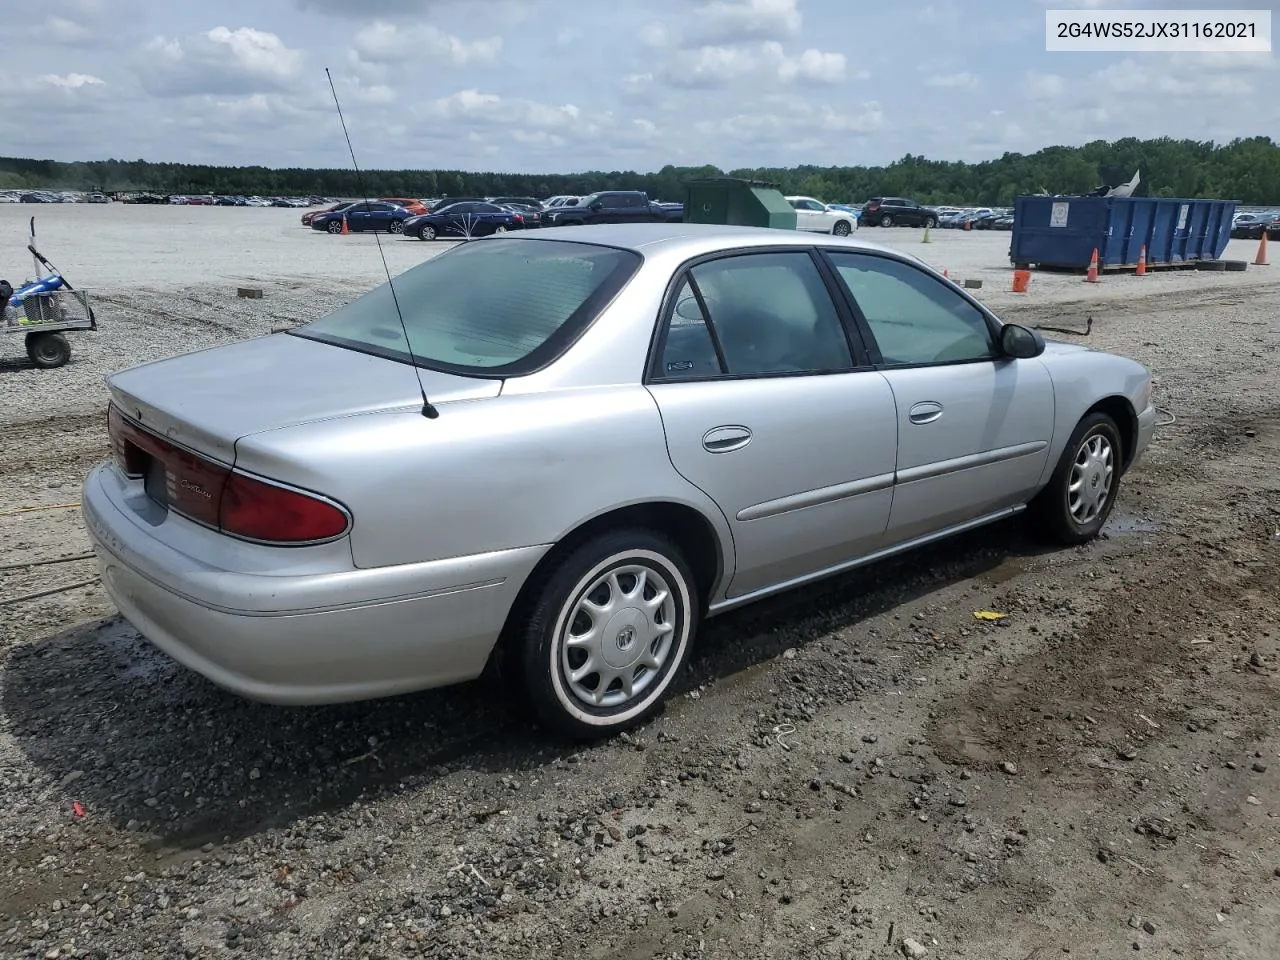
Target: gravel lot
[(846, 768)]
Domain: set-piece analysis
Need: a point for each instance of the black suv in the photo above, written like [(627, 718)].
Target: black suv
[(895, 212)]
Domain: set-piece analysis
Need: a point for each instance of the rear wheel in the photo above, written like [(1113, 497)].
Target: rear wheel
[(397, 226), (931, 223), (48, 350), (606, 633), (1075, 505)]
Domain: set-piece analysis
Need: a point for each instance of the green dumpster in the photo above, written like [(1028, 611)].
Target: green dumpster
[(749, 203)]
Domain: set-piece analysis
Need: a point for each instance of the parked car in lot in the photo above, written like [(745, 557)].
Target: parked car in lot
[(365, 215), (587, 441), (613, 206), (817, 217), (898, 212), (467, 219), (332, 208), (1251, 226), (413, 205)]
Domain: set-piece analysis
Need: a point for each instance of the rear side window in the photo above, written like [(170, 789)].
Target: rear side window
[(495, 306), (753, 315)]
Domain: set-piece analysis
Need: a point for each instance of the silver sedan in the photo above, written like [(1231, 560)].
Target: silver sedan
[(559, 451)]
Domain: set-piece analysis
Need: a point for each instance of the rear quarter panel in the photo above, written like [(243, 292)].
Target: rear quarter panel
[(486, 475)]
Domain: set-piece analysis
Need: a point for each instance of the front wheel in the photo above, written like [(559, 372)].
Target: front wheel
[(426, 232), (886, 221), (931, 223), (1075, 505), (607, 632), (842, 229), (334, 226)]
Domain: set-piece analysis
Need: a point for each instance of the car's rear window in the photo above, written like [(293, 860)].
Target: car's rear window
[(498, 307)]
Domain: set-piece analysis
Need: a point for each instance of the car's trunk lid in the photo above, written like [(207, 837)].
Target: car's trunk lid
[(209, 399)]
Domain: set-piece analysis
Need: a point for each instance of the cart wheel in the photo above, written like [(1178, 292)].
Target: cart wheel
[(48, 350)]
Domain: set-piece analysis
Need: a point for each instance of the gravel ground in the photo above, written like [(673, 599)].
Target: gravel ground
[(857, 770)]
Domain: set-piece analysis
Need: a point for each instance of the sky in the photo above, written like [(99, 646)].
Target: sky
[(560, 86)]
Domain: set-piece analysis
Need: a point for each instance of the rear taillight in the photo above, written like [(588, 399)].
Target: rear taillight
[(215, 495), (519, 218), (257, 510)]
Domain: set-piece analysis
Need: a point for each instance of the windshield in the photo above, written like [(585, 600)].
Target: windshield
[(494, 307)]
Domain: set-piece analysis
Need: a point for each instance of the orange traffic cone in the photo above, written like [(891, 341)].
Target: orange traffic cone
[(1142, 261), (1261, 259), (1092, 275), (345, 229)]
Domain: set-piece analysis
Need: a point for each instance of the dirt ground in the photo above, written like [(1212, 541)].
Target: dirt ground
[(855, 770)]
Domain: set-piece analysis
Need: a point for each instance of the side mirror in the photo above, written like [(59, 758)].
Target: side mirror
[(1019, 342)]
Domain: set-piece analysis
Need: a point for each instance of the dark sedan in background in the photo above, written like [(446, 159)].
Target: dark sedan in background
[(365, 215), (466, 219)]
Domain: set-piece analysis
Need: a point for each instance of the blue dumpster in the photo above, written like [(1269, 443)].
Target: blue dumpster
[(1064, 231)]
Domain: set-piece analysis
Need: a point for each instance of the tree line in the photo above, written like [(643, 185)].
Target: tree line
[(1246, 169)]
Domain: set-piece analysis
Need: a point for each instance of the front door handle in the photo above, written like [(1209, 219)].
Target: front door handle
[(925, 412), (725, 439)]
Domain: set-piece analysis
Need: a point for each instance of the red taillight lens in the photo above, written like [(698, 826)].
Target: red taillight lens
[(212, 494), (263, 511)]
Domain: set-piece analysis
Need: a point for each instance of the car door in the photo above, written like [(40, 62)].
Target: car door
[(973, 426), (358, 216), (771, 413)]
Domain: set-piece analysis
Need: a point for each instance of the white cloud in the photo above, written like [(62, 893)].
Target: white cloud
[(220, 61), (1131, 78), (735, 21), (1045, 86), (64, 30), (71, 81), (654, 34), (384, 42), (473, 106), (717, 66), (964, 80)]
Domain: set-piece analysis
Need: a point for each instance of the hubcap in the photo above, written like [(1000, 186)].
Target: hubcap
[(1091, 477), (619, 636)]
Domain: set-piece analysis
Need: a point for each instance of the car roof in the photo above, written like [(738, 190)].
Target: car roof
[(693, 239)]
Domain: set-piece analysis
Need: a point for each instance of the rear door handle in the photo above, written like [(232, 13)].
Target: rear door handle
[(725, 439), (925, 412)]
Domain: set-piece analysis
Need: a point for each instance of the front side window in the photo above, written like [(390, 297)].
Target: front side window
[(497, 307), (766, 313), (914, 318)]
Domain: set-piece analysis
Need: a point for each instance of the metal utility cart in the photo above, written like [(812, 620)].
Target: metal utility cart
[(44, 310)]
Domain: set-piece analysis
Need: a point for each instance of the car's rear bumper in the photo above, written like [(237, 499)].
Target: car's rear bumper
[(375, 633)]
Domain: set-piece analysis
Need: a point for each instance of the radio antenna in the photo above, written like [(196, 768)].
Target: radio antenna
[(428, 409)]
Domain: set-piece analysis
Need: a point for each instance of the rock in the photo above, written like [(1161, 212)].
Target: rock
[(789, 653), (1259, 767), (870, 738), (1127, 753), (913, 949), (1148, 927), (1135, 922), (1255, 660), (1009, 767)]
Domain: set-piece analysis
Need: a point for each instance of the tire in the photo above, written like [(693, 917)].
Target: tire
[(842, 229), (48, 350), (334, 226), (426, 232), (397, 226), (931, 223), (886, 221), (1064, 517), (500, 228), (1211, 266), (1237, 266), (555, 609)]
